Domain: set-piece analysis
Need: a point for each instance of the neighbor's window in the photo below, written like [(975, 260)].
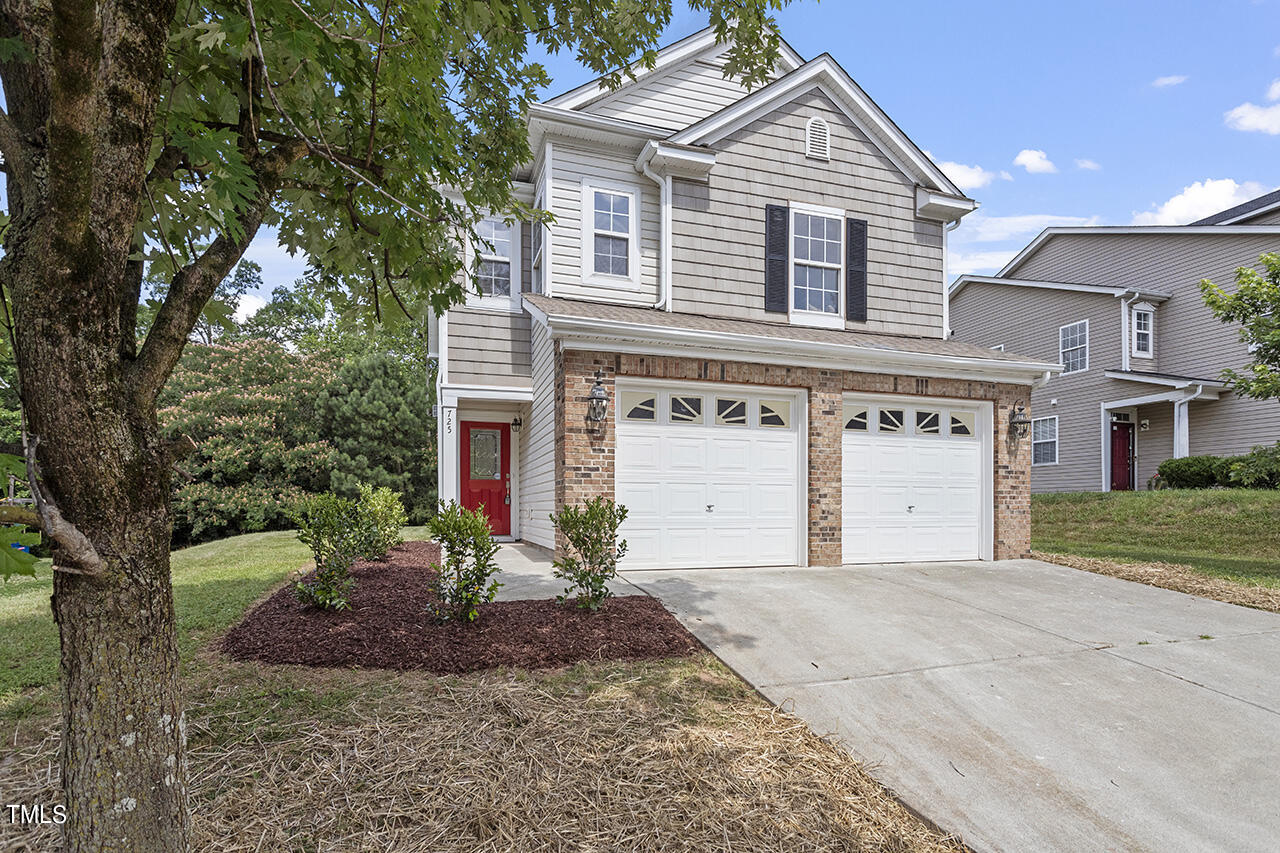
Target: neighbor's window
[(493, 249), (611, 221), (1073, 347), (1143, 331), (817, 249), (1044, 441)]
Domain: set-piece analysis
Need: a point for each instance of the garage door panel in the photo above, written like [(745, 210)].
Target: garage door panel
[(643, 543), (684, 547), (730, 501), (730, 456), (639, 453), (892, 458), (775, 457), (684, 455), (688, 500), (770, 502), (642, 500)]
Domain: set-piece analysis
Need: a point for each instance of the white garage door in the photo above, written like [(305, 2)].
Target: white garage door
[(709, 476), (912, 484)]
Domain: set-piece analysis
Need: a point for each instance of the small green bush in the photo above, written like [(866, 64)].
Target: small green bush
[(1190, 472), (379, 517), (592, 534), (1257, 469), (327, 524), (464, 577)]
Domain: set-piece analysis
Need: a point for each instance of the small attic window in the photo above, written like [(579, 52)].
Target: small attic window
[(817, 139)]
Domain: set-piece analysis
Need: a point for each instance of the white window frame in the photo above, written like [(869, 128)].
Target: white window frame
[(630, 281), (820, 319), (538, 246), (475, 253), (1135, 313), (1056, 444), (1061, 351), (1000, 347)]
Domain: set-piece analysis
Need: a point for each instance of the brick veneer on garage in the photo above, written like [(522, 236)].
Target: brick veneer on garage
[(585, 452)]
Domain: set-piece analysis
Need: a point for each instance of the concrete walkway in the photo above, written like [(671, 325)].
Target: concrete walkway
[(1022, 705)]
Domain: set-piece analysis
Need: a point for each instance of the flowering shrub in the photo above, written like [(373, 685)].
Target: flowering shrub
[(464, 576), (594, 550)]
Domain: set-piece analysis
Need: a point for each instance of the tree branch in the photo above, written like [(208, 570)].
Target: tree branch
[(17, 164), (77, 550), (195, 283)]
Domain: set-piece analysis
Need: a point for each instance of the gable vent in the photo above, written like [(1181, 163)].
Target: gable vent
[(817, 139)]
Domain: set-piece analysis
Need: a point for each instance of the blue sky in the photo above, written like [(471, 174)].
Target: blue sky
[(1110, 113)]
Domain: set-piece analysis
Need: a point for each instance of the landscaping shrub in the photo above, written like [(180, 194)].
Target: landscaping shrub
[(1257, 469), (379, 517), (464, 577), (1190, 472), (592, 561), (328, 525)]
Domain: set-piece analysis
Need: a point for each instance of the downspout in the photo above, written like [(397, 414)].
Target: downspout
[(947, 228), (664, 240), (1182, 423)]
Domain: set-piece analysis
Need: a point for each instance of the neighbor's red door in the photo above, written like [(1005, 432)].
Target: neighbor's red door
[(1121, 456), (486, 472)]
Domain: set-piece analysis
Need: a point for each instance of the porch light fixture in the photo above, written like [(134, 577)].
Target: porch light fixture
[(598, 399), (1019, 423), (516, 424)]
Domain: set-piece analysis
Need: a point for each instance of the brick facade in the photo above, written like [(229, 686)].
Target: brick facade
[(585, 452)]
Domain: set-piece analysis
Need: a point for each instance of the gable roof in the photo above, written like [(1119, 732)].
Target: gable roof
[(1131, 230), (1258, 206), (960, 283), (826, 75), (668, 58)]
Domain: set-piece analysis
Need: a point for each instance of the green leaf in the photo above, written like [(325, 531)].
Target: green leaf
[(13, 465)]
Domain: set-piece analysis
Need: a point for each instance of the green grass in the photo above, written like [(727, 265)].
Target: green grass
[(1228, 533)]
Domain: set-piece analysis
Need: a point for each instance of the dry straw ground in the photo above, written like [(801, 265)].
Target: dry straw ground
[(656, 756), (1175, 577)]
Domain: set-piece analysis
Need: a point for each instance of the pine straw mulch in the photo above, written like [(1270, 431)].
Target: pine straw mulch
[(388, 626), (651, 756), (1176, 577)]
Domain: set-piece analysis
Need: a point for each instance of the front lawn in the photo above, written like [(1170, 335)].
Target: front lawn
[(1226, 533)]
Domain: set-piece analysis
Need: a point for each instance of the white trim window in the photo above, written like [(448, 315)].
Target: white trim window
[(610, 235), (537, 242), (1144, 331), (817, 266), (496, 275), (1073, 347), (1044, 441)]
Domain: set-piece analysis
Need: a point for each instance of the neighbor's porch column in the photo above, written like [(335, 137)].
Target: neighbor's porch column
[(1181, 429)]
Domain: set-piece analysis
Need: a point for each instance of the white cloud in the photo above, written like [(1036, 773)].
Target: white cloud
[(1200, 200), (1252, 117), (249, 305), (978, 263), (978, 228), (1005, 176), (1034, 161), (1171, 80), (1088, 165), (965, 177)]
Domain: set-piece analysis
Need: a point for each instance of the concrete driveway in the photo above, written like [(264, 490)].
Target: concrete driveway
[(1022, 705)]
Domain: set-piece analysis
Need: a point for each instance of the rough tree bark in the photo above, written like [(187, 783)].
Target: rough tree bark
[(76, 142)]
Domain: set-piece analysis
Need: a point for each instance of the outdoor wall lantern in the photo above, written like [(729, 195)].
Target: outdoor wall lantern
[(1019, 423), (516, 424), (598, 399)]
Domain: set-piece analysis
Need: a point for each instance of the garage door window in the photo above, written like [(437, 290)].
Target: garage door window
[(731, 411), (686, 409), (962, 423), (892, 420), (775, 413), (855, 418), (639, 406), (928, 423)]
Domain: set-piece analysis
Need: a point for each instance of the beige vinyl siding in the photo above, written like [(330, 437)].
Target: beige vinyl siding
[(994, 314), (1155, 444), (537, 464), (1271, 217), (673, 99), (718, 228), (1189, 341), (488, 348), (574, 164)]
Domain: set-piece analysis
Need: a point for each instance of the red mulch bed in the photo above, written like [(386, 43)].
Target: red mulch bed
[(388, 627)]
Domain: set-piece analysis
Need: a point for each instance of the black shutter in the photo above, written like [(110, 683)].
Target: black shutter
[(855, 264), (775, 257)]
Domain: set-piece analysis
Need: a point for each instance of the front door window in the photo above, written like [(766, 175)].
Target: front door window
[(486, 454), (486, 472)]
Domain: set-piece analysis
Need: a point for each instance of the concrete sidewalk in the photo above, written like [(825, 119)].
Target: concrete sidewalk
[(1024, 706)]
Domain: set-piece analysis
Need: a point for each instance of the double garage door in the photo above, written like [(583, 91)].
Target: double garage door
[(715, 475)]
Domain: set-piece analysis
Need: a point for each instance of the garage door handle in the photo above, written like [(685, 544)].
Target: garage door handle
[(709, 506), (911, 508)]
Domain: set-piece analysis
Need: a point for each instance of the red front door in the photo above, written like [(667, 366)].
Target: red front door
[(486, 472), (1121, 456)]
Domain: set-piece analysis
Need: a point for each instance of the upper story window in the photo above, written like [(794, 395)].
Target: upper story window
[(1144, 331), (497, 265), (1073, 347), (610, 234), (817, 139), (536, 241), (817, 259)]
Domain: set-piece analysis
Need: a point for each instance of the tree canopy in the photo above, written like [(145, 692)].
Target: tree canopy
[(1255, 305)]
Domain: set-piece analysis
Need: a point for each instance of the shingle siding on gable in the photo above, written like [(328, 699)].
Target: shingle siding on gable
[(673, 99), (718, 228)]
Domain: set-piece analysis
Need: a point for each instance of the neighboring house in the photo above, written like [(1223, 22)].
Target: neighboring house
[(752, 283), (1121, 309)]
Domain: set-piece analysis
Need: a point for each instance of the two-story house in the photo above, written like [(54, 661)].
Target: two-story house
[(734, 327), (1120, 308)]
